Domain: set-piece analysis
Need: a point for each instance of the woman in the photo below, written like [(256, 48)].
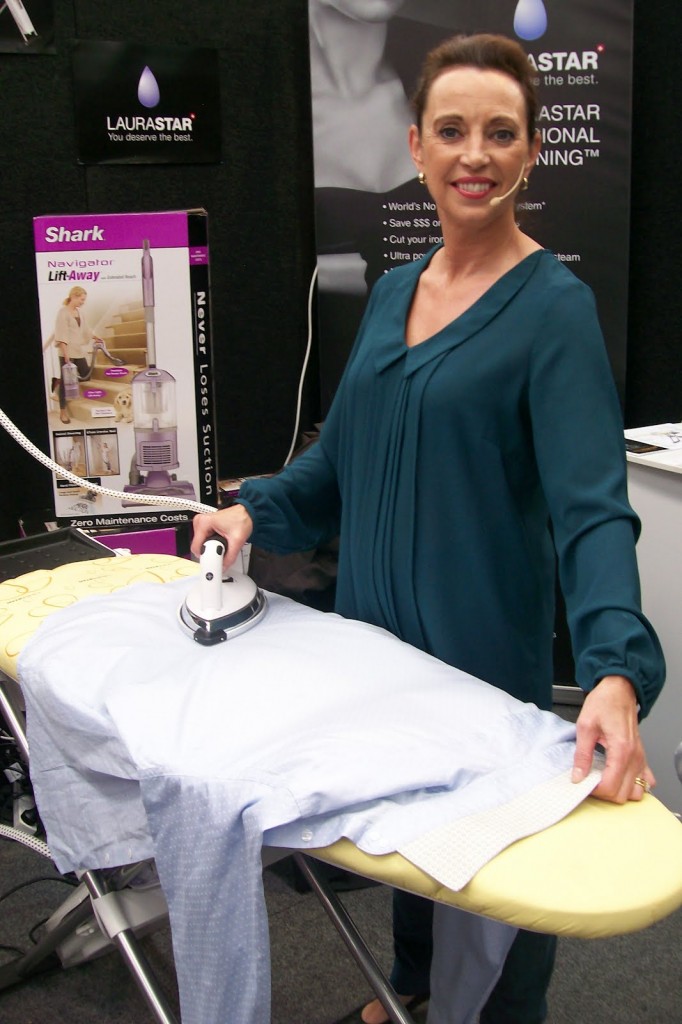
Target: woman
[(73, 339), (478, 413)]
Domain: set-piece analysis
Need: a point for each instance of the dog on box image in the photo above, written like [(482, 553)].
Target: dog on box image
[(123, 404)]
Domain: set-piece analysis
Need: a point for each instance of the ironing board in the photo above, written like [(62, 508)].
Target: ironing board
[(602, 870)]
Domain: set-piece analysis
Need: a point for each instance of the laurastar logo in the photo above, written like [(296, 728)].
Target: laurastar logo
[(138, 127), (566, 60), (149, 124), (530, 19), (148, 92), (62, 234)]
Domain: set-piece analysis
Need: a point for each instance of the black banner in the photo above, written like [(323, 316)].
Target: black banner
[(371, 214), (146, 104)]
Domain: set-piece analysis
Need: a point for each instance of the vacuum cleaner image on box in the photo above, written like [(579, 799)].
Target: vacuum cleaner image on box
[(154, 412)]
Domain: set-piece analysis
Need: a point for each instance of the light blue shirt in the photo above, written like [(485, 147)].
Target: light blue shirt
[(304, 729)]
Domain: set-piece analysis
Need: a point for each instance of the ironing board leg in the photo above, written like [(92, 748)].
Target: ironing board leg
[(14, 717), (42, 956), (348, 931), (132, 953)]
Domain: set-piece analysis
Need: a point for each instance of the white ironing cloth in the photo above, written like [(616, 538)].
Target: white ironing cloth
[(305, 729)]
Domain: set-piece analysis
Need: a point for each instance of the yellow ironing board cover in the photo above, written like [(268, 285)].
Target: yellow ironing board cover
[(603, 870), (27, 600)]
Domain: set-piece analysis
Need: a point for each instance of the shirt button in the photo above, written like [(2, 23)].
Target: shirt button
[(306, 835)]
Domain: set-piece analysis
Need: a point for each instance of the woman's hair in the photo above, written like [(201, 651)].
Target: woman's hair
[(485, 51), (74, 293)]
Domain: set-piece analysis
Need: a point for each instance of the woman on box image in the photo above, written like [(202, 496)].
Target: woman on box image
[(106, 457), (475, 443), (73, 339)]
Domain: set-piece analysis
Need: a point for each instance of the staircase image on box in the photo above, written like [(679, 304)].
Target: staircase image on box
[(134, 390), (123, 347)]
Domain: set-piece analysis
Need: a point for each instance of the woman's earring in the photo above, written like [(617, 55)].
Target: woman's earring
[(421, 178), (524, 184)]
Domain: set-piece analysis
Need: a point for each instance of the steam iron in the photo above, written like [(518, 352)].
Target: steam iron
[(219, 607)]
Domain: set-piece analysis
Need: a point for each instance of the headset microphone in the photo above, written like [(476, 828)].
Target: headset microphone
[(496, 200)]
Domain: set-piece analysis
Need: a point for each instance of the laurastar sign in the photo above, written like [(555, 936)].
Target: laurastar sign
[(146, 124), (565, 60)]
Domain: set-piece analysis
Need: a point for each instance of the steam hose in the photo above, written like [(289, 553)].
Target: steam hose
[(143, 499), (30, 841)]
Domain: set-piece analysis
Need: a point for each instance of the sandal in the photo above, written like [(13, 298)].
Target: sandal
[(409, 1002)]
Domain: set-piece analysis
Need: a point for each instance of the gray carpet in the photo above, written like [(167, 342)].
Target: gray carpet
[(632, 979)]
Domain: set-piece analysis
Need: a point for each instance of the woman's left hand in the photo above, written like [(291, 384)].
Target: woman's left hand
[(609, 717)]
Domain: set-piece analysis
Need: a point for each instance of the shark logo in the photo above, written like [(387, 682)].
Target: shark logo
[(530, 19), (148, 92)]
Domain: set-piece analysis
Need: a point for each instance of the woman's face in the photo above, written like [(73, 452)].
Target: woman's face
[(473, 144)]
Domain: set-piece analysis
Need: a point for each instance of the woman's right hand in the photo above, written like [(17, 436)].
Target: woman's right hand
[(234, 524)]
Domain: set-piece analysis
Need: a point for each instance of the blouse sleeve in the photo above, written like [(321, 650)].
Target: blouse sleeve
[(298, 509), (578, 436)]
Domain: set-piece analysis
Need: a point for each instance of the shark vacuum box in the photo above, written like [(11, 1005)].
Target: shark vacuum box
[(126, 340)]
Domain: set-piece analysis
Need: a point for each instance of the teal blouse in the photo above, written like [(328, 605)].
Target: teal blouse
[(461, 471)]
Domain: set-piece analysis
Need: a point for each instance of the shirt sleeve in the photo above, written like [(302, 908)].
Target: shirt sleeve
[(578, 436)]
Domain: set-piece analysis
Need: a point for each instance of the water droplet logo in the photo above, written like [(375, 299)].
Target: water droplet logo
[(530, 19), (148, 89)]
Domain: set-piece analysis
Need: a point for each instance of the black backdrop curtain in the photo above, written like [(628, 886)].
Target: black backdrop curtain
[(261, 217)]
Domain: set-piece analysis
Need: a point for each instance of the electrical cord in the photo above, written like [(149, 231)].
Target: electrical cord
[(35, 928), (13, 949), (33, 881), (38, 924), (294, 440)]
